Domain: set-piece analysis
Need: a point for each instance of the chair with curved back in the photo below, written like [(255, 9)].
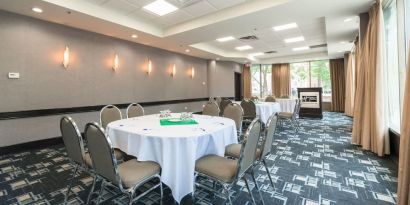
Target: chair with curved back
[(291, 116), (111, 113), (228, 172), (270, 98), (135, 110), (211, 109), (235, 112), (218, 100), (74, 145), (253, 98), (127, 176), (223, 104), (249, 109)]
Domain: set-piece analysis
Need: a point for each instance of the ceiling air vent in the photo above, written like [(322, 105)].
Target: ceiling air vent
[(319, 46), (270, 52), (249, 38), (185, 3)]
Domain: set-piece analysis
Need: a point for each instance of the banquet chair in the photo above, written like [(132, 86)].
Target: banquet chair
[(211, 109), (227, 172), (77, 155), (249, 111), (134, 110), (270, 98), (111, 113), (223, 104), (127, 176), (253, 98), (218, 101), (235, 112), (291, 116)]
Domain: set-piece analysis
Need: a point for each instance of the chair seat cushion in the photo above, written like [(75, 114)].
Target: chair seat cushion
[(285, 115), (217, 167), (87, 160), (234, 150), (133, 171), (119, 155)]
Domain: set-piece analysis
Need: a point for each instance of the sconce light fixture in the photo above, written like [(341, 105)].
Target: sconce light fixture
[(66, 57), (174, 70), (149, 69), (192, 72), (115, 65)]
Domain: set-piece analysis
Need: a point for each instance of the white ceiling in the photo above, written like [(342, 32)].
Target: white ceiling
[(197, 23)]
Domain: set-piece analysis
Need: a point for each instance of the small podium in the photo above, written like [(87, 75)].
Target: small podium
[(310, 102)]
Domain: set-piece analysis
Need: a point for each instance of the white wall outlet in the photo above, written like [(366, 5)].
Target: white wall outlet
[(14, 75)]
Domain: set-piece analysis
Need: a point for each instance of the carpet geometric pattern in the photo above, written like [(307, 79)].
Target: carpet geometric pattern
[(316, 166)]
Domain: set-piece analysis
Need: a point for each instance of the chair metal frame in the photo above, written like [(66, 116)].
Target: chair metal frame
[(134, 105), (238, 176), (293, 120), (130, 191), (83, 166), (109, 107)]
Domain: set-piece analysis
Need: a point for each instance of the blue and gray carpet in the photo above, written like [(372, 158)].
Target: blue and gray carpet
[(316, 166)]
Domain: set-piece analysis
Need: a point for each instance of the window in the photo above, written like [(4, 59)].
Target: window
[(311, 74), (261, 76), (391, 61)]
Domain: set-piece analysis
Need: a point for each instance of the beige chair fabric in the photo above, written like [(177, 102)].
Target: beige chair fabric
[(234, 151), (404, 156), (270, 99), (127, 176), (269, 135), (248, 153), (217, 167), (73, 140), (135, 110), (235, 112), (223, 104), (249, 109), (109, 113), (211, 108)]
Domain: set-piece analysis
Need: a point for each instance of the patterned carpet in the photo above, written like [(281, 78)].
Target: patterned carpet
[(317, 166)]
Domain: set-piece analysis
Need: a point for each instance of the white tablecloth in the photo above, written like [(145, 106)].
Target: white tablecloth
[(286, 104), (174, 147), (265, 109)]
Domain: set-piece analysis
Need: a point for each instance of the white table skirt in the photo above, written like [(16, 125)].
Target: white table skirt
[(265, 109), (286, 104), (174, 147)]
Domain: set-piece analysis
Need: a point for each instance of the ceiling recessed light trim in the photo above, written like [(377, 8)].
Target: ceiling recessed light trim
[(294, 39), (285, 27), (301, 48), (37, 10), (160, 7), (243, 48), (224, 39)]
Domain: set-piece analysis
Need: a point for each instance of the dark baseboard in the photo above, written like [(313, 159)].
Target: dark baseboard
[(31, 145)]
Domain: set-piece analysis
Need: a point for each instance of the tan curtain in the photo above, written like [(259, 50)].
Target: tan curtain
[(281, 80), (370, 128), (247, 85), (403, 193), (337, 74), (350, 86)]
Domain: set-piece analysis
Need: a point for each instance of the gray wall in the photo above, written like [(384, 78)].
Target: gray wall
[(221, 78), (34, 48)]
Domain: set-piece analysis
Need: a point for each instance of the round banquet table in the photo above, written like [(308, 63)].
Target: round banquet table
[(174, 147), (265, 109), (286, 104)]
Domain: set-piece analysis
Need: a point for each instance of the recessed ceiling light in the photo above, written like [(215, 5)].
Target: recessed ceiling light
[(257, 54), (295, 39), (37, 10), (348, 19), (224, 39), (285, 27), (187, 50), (134, 36), (301, 48), (160, 7), (242, 48)]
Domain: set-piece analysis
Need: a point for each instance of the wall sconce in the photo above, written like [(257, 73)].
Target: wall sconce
[(66, 57), (149, 69), (174, 70), (115, 65), (192, 72)]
